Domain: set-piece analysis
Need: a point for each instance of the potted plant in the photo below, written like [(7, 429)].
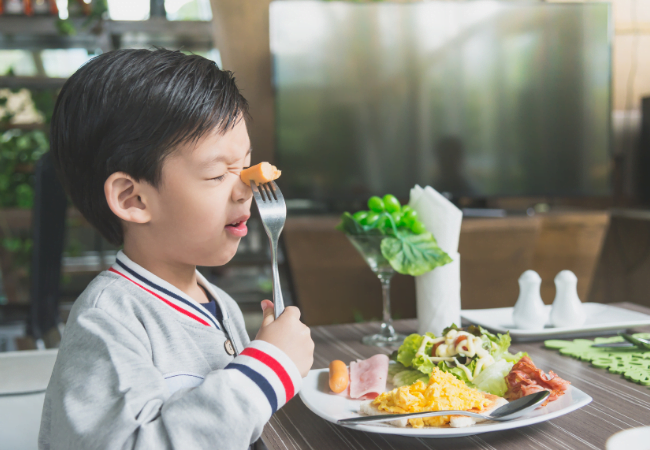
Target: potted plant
[(20, 147)]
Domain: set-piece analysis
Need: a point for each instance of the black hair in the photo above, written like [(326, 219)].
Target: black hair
[(125, 111)]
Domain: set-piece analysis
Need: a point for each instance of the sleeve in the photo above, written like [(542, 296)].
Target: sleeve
[(105, 393)]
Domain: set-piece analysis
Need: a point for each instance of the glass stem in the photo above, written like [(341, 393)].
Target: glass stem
[(387, 329)]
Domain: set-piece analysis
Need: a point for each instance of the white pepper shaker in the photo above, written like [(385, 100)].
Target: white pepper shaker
[(529, 312), (567, 308)]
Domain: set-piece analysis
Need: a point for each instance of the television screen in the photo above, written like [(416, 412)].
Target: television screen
[(477, 99)]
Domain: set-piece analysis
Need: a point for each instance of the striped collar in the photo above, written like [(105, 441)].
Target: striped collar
[(167, 293)]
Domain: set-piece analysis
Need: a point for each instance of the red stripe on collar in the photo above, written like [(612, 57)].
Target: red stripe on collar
[(177, 308)]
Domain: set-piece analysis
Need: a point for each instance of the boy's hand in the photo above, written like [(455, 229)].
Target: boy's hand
[(288, 334)]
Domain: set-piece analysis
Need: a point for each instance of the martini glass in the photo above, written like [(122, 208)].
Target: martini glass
[(370, 249)]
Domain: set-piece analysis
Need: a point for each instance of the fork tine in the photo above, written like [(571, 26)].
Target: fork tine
[(276, 191), (269, 192), (256, 192), (265, 196), (262, 192), (266, 192)]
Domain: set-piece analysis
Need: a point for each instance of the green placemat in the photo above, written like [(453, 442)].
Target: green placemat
[(633, 363)]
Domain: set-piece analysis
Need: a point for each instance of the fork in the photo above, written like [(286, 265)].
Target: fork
[(273, 212)]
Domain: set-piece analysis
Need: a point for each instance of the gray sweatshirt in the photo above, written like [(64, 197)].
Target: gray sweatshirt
[(143, 366)]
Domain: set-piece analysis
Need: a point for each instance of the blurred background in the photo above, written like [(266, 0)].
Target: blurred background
[(532, 116)]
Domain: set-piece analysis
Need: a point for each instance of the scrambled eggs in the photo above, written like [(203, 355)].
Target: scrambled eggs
[(444, 392)]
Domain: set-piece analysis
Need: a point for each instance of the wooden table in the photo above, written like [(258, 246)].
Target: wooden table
[(618, 404)]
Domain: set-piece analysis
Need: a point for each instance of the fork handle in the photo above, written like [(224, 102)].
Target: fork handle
[(278, 302)]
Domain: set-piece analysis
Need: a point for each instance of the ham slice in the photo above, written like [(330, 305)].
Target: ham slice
[(368, 377), (525, 379)]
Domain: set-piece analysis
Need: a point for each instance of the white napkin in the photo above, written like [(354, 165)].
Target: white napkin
[(439, 215), (438, 292), (438, 297)]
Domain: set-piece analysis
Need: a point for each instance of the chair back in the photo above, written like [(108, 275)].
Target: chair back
[(48, 222)]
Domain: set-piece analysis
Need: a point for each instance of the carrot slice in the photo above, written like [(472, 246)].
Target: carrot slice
[(260, 173)]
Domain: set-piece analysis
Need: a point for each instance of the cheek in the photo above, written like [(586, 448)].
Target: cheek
[(199, 208)]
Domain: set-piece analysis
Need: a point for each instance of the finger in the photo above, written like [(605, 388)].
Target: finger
[(267, 311), (291, 312)]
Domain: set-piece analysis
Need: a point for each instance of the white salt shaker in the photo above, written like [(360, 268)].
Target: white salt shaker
[(529, 312), (567, 308)]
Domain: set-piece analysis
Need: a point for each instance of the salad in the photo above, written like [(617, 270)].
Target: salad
[(473, 355), (408, 247)]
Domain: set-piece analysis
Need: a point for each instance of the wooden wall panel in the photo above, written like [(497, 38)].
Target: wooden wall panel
[(493, 254), (570, 241)]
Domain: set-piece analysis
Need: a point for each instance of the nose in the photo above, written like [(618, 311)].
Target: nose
[(241, 193)]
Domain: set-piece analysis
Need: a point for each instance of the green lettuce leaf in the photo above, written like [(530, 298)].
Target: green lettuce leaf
[(492, 378), (502, 344), (514, 359), (408, 349), (414, 254), (394, 369), (408, 377), (399, 375), (423, 363), (497, 344), (457, 371)]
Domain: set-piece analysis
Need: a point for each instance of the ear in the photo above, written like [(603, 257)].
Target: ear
[(126, 198)]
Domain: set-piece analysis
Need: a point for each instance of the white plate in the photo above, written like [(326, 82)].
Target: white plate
[(628, 439), (316, 395), (601, 319)]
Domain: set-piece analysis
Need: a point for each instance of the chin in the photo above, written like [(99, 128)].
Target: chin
[(221, 255)]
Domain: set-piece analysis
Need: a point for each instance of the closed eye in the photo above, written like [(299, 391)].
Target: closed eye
[(219, 178), (238, 171)]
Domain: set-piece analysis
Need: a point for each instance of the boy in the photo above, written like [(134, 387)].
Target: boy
[(149, 145)]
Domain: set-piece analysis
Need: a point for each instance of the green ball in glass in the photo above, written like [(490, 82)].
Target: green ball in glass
[(360, 215), (391, 203), (376, 204), (370, 219), (409, 218), (418, 228)]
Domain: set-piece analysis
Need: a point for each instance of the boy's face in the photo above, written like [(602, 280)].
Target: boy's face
[(201, 207)]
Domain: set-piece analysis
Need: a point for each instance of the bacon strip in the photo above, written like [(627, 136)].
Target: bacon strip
[(525, 379)]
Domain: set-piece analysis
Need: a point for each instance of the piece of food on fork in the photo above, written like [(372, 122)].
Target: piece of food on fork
[(260, 173)]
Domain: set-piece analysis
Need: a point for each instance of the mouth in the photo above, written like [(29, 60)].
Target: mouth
[(238, 227)]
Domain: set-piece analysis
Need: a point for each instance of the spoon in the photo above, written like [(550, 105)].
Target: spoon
[(643, 343), (512, 410), (629, 342)]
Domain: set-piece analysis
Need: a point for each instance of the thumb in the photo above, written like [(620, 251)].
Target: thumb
[(268, 310)]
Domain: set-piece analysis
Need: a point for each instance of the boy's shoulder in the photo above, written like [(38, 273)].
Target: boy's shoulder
[(108, 292), (105, 287)]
